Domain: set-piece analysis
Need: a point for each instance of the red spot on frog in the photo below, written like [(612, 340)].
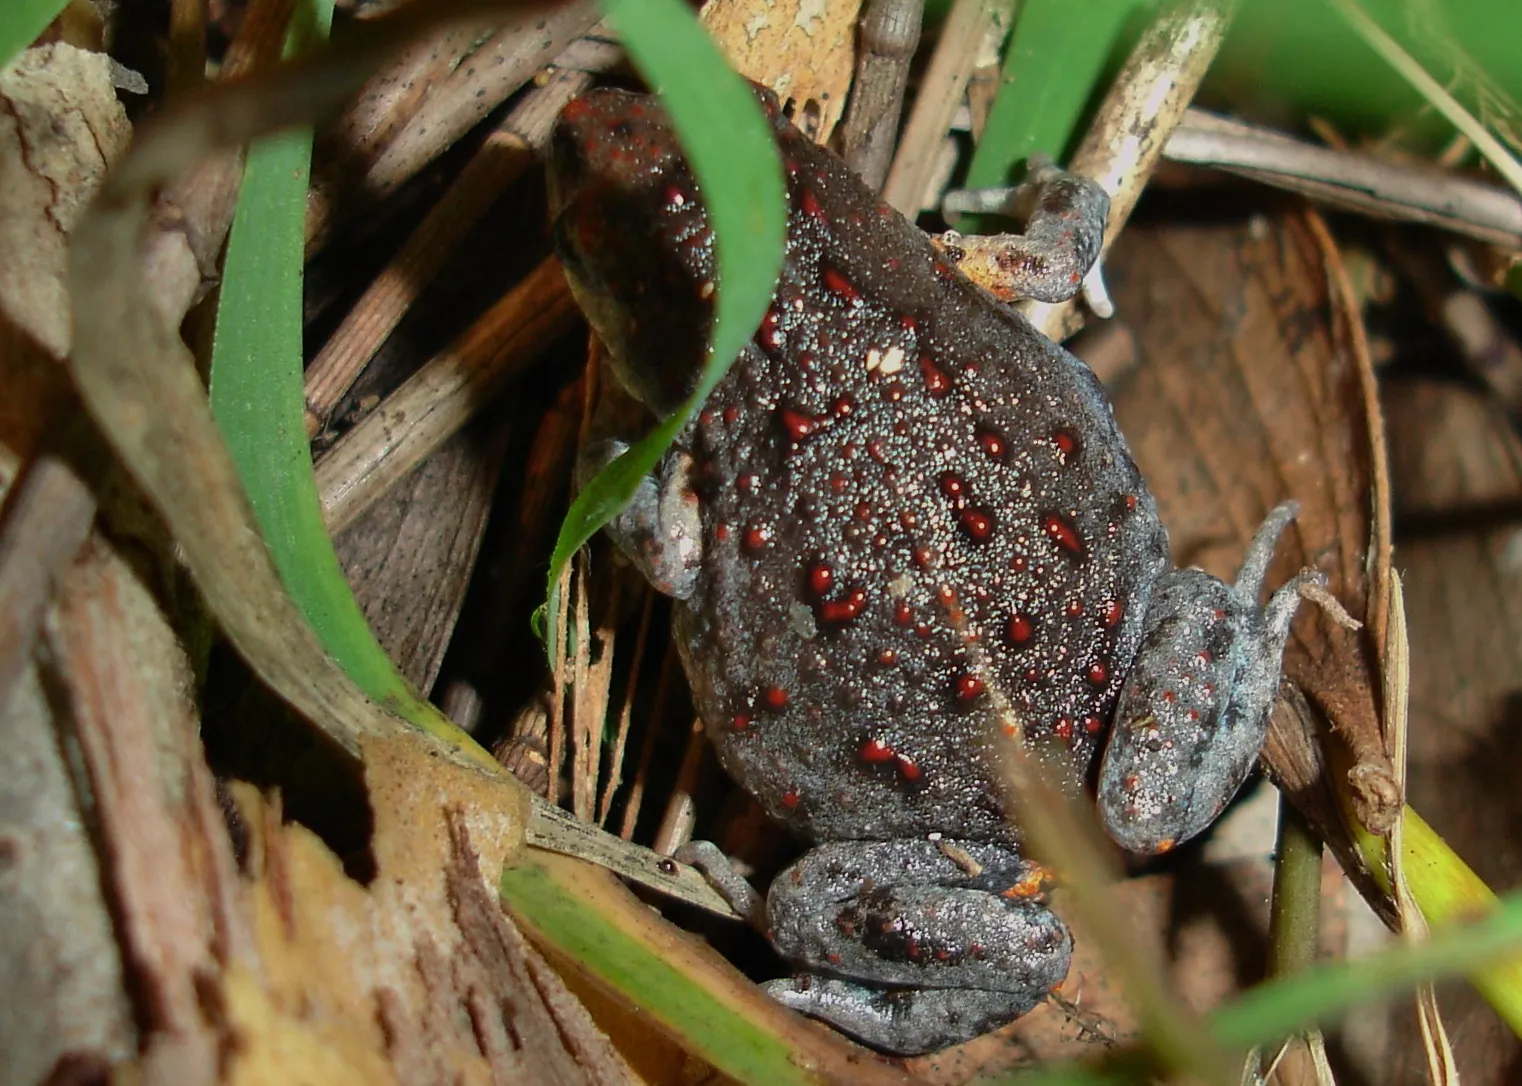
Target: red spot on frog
[(1067, 443), (840, 286), (757, 538), (798, 425), (810, 204), (968, 688), (937, 382), (978, 525), (837, 611), (1062, 532)]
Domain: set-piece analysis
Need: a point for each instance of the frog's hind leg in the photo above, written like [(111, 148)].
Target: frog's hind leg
[(917, 944), (1194, 710), (903, 1021)]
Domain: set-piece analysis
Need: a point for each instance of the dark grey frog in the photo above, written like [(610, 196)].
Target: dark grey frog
[(899, 496)]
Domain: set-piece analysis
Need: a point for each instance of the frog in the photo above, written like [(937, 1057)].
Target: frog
[(902, 533)]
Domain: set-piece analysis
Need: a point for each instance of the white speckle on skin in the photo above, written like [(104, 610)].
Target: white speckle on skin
[(889, 361)]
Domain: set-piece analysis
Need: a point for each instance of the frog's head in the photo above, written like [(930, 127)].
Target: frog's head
[(633, 236)]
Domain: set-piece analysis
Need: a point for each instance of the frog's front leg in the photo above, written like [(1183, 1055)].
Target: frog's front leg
[(1062, 239), (1194, 710), (914, 945), (661, 529)]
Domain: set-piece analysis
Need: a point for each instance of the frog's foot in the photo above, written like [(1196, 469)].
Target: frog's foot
[(904, 1021), (661, 529), (1061, 243), (726, 880), (1194, 710), (924, 943)]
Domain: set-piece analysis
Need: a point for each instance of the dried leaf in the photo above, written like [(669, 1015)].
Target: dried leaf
[(802, 49), (1247, 395)]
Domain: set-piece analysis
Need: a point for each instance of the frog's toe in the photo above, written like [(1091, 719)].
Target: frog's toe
[(904, 1021)]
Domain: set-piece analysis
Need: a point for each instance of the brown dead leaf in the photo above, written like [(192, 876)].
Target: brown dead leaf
[(1249, 393), (409, 558), (1456, 467), (60, 128), (804, 50), (282, 968)]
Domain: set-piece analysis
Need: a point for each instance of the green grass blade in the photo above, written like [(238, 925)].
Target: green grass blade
[(20, 23), (735, 161), (256, 397), (1276, 1009), (1448, 891), (1051, 66), (1279, 1008), (726, 1039)]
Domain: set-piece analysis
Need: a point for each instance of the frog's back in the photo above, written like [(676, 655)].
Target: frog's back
[(908, 495)]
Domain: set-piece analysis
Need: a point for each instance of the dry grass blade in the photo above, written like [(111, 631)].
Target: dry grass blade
[(1345, 179), (559, 831), (625, 712), (1377, 790), (532, 37), (586, 693), (140, 384), (506, 154), (670, 668), (1441, 1066), (681, 809), (380, 109), (1402, 61), (444, 395), (963, 40)]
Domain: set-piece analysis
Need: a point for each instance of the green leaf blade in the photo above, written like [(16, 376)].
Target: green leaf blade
[(256, 397), (21, 21)]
